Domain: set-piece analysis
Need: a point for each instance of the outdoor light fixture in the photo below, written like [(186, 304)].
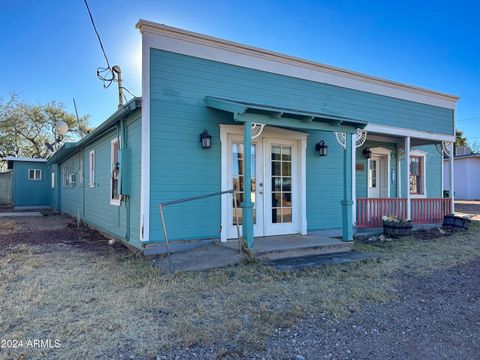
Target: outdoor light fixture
[(367, 152), (321, 148), (206, 140)]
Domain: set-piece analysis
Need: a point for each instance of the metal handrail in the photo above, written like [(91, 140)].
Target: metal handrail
[(192, 198)]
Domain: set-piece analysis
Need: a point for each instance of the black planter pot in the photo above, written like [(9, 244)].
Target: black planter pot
[(397, 228), (456, 221)]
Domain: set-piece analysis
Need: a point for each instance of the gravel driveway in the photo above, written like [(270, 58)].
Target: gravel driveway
[(436, 317)]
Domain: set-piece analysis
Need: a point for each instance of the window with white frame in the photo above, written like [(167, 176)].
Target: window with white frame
[(71, 174), (417, 174), (64, 176), (34, 174), (80, 171), (91, 167), (115, 174)]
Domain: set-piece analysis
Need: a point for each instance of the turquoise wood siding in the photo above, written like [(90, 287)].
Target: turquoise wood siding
[(361, 180), (30, 192), (93, 202), (180, 168)]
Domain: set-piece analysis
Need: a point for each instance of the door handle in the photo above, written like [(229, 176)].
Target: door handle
[(260, 188)]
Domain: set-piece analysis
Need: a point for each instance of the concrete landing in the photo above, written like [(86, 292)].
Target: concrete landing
[(319, 260), (17, 214), (289, 246)]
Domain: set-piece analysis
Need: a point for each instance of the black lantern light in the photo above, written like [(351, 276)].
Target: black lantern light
[(367, 152), (206, 140), (321, 148)]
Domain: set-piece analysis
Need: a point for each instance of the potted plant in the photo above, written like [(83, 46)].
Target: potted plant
[(396, 227)]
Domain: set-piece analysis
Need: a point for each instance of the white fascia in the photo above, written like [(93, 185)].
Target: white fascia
[(396, 131), (206, 47), (145, 156)]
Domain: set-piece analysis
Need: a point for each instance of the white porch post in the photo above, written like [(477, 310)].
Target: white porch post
[(354, 178), (407, 177), (451, 189)]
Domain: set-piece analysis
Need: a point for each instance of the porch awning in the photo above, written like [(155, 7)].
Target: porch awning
[(284, 117)]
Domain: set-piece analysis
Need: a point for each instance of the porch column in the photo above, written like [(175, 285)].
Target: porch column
[(247, 205), (451, 189), (354, 178), (407, 177), (347, 202)]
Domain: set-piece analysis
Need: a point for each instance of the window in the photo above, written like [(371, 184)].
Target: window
[(417, 175), (64, 176), (53, 180), (71, 174), (80, 170), (115, 174), (91, 174), (34, 174)]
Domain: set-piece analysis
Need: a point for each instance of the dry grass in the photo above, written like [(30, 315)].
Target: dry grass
[(103, 306), (8, 226)]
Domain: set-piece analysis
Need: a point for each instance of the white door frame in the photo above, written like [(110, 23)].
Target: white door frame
[(227, 131), (381, 151)]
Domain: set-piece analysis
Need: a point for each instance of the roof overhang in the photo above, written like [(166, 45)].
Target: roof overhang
[(68, 149), (24, 159), (284, 117)]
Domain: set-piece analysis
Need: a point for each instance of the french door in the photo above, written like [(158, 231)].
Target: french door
[(274, 176)]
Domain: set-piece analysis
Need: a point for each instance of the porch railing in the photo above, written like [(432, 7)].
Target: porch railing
[(430, 211), (371, 210)]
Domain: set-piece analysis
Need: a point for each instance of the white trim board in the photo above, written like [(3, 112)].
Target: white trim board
[(145, 155), (194, 44)]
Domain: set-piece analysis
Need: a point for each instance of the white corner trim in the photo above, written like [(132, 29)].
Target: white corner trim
[(145, 156), (184, 42), (396, 131)]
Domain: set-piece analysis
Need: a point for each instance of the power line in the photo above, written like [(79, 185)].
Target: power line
[(103, 73)]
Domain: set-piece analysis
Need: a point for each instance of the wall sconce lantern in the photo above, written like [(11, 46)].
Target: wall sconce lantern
[(206, 140), (367, 152), (321, 148)]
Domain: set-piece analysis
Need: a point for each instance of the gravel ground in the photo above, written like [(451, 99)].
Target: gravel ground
[(435, 317)]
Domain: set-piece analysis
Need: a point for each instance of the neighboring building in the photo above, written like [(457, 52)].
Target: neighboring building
[(466, 174), (30, 182), (379, 139)]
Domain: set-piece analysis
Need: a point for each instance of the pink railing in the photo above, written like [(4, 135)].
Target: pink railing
[(430, 211), (370, 210)]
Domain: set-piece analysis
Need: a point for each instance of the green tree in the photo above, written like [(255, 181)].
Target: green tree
[(26, 129), (460, 139)]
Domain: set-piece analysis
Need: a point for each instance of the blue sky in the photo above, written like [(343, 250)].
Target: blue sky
[(49, 51)]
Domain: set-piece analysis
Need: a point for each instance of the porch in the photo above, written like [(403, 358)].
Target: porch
[(399, 172), (370, 211)]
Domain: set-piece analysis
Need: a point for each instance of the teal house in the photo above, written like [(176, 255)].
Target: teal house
[(306, 147), (31, 182)]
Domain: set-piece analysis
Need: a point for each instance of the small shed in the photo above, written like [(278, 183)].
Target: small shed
[(31, 182)]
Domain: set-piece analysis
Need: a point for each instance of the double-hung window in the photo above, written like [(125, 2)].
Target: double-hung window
[(34, 174), (417, 175), (115, 174), (91, 167)]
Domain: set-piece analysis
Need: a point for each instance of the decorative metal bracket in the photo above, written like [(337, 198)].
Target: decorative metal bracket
[(444, 148), (359, 139), (257, 130)]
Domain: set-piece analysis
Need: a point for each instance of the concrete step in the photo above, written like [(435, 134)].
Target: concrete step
[(322, 249)]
